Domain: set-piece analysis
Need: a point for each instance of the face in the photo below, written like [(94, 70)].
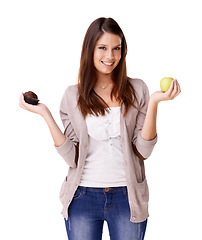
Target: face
[(107, 53)]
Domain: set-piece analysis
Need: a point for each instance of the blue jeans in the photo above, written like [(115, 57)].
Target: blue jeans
[(89, 209)]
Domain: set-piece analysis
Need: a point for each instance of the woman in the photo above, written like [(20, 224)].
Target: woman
[(110, 128)]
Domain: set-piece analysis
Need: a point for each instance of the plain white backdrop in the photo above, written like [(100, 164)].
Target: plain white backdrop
[(40, 47)]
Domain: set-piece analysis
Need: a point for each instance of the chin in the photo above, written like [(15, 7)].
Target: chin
[(105, 72)]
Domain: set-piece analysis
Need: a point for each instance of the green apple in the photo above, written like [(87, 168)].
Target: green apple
[(165, 83)]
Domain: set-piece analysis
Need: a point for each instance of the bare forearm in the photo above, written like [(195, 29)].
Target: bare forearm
[(58, 137), (149, 128)]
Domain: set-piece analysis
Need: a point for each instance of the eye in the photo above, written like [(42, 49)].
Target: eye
[(117, 48), (102, 48)]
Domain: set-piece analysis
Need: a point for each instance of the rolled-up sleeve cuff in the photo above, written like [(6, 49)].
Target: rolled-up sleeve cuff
[(145, 147), (67, 152), (64, 148)]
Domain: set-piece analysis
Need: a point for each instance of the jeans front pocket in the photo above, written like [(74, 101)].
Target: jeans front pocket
[(78, 194)]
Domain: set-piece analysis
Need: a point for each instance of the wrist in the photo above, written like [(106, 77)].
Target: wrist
[(46, 114), (153, 101)]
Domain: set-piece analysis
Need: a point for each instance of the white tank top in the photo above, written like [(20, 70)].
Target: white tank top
[(104, 165)]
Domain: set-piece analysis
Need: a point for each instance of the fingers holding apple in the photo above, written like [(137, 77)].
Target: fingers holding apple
[(166, 84), (172, 90)]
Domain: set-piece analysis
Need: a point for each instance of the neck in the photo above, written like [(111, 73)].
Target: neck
[(104, 80)]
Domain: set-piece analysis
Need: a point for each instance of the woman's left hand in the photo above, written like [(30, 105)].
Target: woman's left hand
[(172, 93)]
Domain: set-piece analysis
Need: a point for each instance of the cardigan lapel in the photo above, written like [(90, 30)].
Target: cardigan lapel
[(122, 121), (83, 132)]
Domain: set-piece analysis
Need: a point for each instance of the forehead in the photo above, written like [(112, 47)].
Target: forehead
[(109, 39)]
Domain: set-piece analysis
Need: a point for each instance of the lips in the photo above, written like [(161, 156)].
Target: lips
[(107, 63)]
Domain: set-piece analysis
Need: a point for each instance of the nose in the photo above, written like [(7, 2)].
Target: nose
[(110, 54)]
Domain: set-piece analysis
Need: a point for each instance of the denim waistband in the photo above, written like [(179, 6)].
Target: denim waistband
[(104, 190)]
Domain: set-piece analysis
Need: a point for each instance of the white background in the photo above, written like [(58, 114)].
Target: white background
[(40, 47)]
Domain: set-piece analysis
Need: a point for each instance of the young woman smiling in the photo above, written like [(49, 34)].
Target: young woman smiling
[(110, 128)]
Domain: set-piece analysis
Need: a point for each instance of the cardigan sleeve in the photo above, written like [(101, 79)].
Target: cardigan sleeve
[(69, 149), (144, 147)]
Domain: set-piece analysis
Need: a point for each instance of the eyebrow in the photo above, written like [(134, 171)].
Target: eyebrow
[(106, 45)]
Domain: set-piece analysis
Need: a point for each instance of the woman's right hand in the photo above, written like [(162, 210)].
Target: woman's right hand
[(58, 137), (40, 108)]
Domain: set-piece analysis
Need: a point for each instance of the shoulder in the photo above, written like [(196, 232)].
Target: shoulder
[(141, 91), (138, 84), (72, 90), (140, 87), (71, 93), (69, 99)]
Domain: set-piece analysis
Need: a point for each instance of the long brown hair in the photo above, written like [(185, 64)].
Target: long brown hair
[(89, 102)]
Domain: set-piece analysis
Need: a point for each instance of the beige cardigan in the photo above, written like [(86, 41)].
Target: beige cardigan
[(75, 149)]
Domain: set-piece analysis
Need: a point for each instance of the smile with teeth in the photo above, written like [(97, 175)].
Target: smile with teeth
[(108, 63)]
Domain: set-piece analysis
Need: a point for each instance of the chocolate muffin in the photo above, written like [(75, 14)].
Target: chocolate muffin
[(31, 98)]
